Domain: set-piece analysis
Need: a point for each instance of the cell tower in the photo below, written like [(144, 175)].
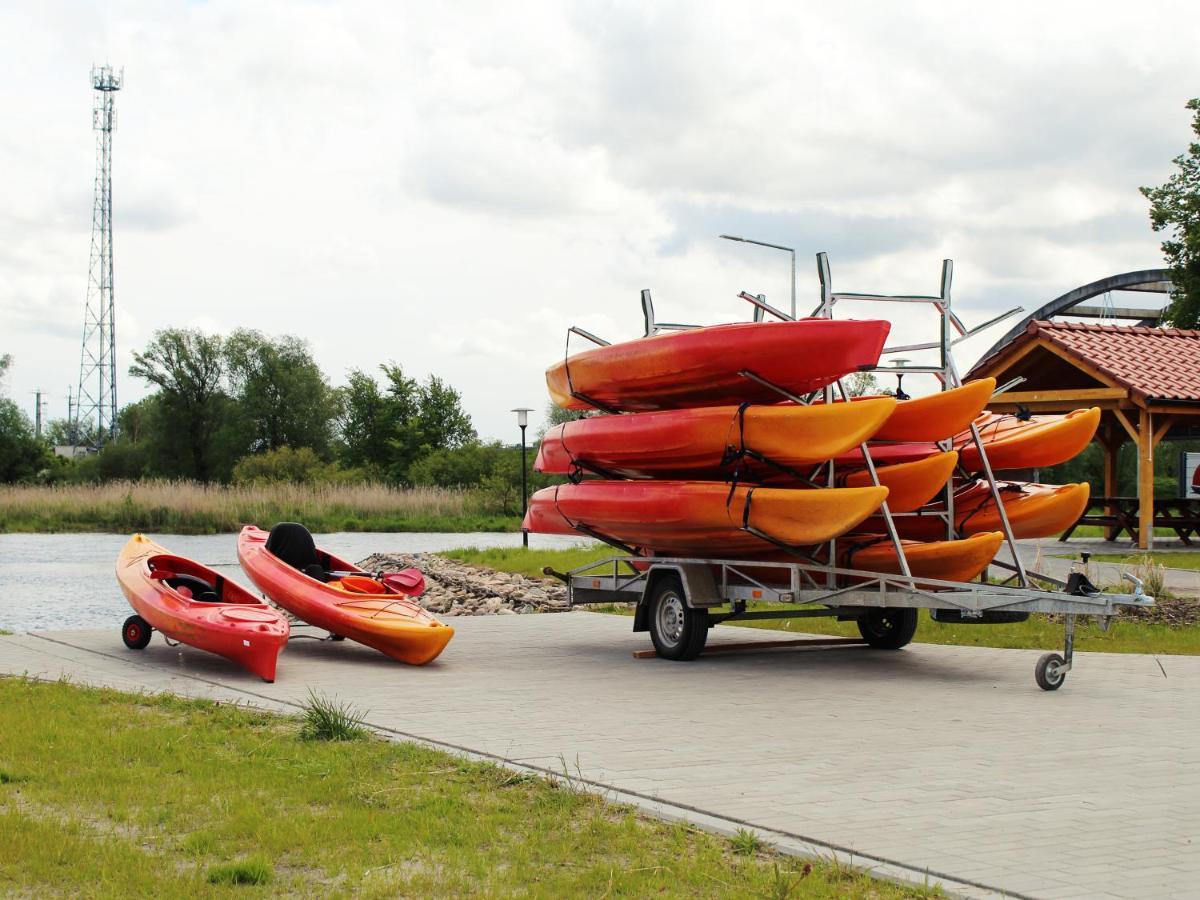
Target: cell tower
[(96, 401)]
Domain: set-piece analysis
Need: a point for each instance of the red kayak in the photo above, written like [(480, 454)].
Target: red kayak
[(341, 598), (192, 604), (704, 366)]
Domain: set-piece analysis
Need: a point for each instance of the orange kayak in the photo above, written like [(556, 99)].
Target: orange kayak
[(190, 603), (338, 596), (1034, 510), (699, 518), (910, 485), (693, 443), (702, 366), (959, 560), (937, 416), (1011, 442)]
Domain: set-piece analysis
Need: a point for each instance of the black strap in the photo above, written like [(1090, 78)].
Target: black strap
[(578, 395)]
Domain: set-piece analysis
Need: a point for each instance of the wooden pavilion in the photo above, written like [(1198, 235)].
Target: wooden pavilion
[(1145, 380)]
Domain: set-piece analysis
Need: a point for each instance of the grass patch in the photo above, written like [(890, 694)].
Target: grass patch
[(1172, 559), (250, 871), (746, 843), (531, 562), (184, 507), (191, 798), (325, 719)]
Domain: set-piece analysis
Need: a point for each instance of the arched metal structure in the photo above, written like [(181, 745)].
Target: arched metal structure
[(1154, 281)]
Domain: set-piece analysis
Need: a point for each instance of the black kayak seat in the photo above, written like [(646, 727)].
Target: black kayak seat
[(200, 589), (293, 543)]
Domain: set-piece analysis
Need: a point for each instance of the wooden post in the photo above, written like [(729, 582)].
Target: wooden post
[(1111, 440), (1145, 480)]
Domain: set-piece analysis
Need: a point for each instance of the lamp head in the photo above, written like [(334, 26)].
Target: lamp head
[(522, 416)]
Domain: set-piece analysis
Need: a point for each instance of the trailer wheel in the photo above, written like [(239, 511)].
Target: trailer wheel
[(1050, 672), (888, 629), (136, 633), (678, 631)]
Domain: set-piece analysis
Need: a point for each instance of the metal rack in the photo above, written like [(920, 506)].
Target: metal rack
[(695, 590)]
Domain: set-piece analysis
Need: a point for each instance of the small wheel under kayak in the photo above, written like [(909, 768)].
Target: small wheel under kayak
[(1050, 672), (678, 631), (888, 629), (336, 637), (136, 633)]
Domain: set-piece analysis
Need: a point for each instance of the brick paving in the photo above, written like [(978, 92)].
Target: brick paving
[(946, 760)]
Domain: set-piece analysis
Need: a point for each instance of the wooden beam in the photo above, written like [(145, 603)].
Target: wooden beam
[(1129, 427), (1000, 362), (1145, 442), (1161, 429), (1111, 442), (1073, 395)]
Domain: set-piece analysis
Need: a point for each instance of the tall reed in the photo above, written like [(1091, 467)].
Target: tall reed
[(188, 507)]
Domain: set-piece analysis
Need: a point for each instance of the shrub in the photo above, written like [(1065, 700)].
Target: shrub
[(297, 466)]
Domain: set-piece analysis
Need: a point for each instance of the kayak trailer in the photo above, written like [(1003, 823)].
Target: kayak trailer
[(679, 600)]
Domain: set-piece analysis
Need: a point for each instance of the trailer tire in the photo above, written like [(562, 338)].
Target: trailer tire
[(678, 631), (1050, 672), (888, 629)]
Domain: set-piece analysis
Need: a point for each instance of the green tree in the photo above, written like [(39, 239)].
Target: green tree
[(1175, 209), (386, 430), (282, 395), (187, 368), (299, 465), (22, 455)]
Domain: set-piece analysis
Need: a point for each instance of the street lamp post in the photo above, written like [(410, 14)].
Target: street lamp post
[(522, 422), (734, 237)]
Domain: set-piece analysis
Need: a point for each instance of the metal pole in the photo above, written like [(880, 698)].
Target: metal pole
[(793, 284), (524, 492)]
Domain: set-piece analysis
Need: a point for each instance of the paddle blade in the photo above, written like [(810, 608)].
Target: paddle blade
[(406, 581)]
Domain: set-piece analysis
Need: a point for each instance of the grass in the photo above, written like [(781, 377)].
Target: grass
[(167, 797), (1124, 636), (325, 719), (183, 507), (530, 562), (1172, 559)]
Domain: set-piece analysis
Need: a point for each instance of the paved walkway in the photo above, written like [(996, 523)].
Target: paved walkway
[(941, 759)]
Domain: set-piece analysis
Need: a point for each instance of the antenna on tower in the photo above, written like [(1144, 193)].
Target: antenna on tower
[(96, 400)]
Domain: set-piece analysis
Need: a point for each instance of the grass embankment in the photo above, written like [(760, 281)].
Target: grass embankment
[(106, 794), (182, 507), (1037, 632), (1172, 559)]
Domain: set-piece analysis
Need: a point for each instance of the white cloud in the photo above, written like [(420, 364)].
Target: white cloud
[(450, 186)]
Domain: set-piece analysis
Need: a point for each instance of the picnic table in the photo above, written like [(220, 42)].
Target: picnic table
[(1120, 514)]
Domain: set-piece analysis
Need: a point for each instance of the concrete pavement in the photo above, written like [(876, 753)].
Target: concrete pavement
[(940, 760)]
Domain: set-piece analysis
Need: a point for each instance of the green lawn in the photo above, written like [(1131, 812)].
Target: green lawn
[(108, 794), (1037, 632), (1172, 559)]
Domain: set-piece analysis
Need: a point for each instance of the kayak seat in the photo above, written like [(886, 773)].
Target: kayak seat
[(292, 543), (194, 588)]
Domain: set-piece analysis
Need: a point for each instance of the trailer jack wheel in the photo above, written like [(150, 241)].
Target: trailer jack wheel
[(1051, 672), (678, 631)]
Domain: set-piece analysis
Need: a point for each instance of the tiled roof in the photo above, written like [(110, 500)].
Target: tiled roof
[(1154, 363)]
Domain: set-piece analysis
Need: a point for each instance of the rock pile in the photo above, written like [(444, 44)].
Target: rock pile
[(457, 589)]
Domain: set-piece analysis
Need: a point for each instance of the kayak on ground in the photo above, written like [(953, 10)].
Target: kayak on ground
[(330, 593), (705, 366), (190, 603)]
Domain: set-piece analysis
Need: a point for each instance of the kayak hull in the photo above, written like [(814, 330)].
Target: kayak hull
[(910, 485), (936, 417), (1034, 511), (693, 443), (702, 366), (391, 623), (240, 628), (698, 518)]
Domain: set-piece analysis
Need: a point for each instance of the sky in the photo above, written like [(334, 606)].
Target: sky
[(450, 186)]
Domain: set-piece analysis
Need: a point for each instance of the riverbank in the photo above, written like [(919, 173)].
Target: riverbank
[(210, 796), (1172, 626), (180, 507)]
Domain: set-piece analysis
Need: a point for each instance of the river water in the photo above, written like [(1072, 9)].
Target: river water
[(52, 581)]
